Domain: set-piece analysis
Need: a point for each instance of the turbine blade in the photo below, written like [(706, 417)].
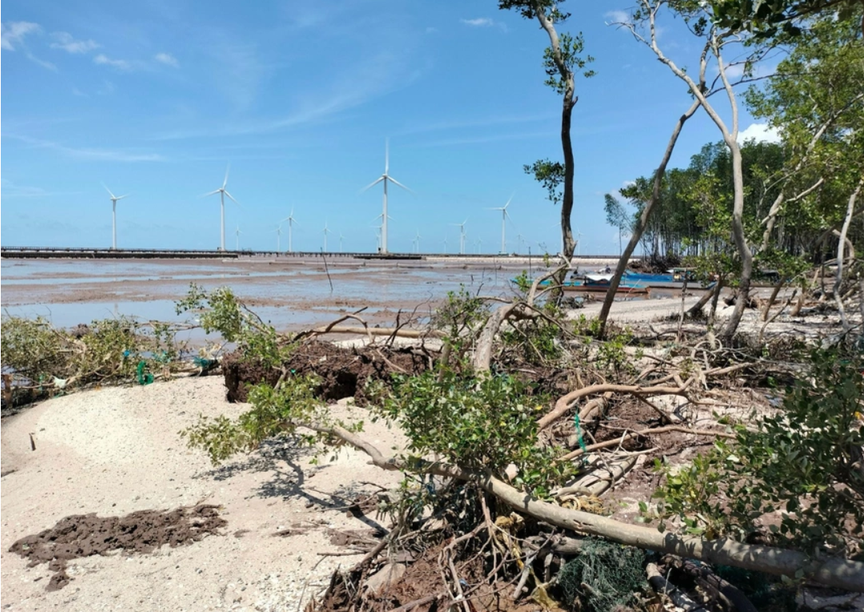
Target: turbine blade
[(400, 184), (232, 197), (123, 196), (108, 190), (510, 200), (214, 192), (225, 182), (386, 155), (370, 185)]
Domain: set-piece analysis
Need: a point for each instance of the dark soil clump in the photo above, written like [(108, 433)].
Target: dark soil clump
[(84, 535), (344, 372)]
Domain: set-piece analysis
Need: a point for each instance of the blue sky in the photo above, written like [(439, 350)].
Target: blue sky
[(156, 98)]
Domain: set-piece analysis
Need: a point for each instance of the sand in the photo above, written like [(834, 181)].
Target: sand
[(116, 450)]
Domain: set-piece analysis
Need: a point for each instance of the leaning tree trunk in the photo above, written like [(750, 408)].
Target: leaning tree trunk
[(831, 571), (642, 222)]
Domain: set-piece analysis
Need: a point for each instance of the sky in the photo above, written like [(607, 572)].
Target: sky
[(157, 98)]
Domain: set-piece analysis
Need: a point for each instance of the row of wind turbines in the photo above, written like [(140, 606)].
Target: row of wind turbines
[(385, 178)]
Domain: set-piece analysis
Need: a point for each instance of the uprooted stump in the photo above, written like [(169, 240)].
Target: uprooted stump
[(343, 372), (84, 535)]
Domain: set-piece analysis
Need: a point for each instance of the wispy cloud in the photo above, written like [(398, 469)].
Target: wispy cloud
[(14, 190), (12, 33), (479, 140), (65, 41), (119, 64), (167, 59), (760, 132), (617, 16), (87, 153), (479, 122), (483, 22), (362, 81)]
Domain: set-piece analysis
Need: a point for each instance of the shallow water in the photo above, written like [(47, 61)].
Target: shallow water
[(289, 294)]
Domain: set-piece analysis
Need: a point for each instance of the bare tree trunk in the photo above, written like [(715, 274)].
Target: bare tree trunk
[(696, 308), (568, 244), (833, 571), (712, 315), (738, 236), (642, 222), (841, 253), (771, 299)]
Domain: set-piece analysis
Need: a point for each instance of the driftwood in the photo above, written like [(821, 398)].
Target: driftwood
[(662, 586), (566, 402), (378, 331), (832, 571)]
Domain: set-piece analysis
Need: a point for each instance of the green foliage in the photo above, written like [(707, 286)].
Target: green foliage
[(610, 353), (805, 463), (222, 312), (550, 175), (108, 350), (460, 313), (275, 412), (782, 19), (570, 56), (479, 424), (31, 348)]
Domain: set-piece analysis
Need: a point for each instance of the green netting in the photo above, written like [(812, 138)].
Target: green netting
[(603, 577)]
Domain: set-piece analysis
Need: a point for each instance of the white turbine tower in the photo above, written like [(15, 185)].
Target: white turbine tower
[(326, 231), (341, 238), (461, 227), (279, 238), (417, 241), (384, 178), (114, 216), (237, 233), (504, 216), (291, 221), (479, 245), (222, 193)]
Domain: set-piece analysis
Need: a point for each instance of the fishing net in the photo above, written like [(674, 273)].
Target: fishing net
[(604, 577)]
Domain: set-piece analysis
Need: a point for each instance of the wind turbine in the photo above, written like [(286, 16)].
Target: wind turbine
[(279, 238), (479, 245), (222, 193), (461, 227), (445, 245), (326, 231), (417, 241), (504, 216), (384, 178), (519, 241), (291, 221), (377, 229), (237, 233), (114, 216), (341, 237)]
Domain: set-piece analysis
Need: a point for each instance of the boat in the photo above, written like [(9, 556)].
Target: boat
[(599, 283)]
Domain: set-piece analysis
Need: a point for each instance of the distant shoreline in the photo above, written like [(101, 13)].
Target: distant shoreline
[(151, 254)]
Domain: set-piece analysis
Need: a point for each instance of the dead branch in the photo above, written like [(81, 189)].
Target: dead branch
[(378, 331), (645, 432), (833, 571), (566, 402)]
